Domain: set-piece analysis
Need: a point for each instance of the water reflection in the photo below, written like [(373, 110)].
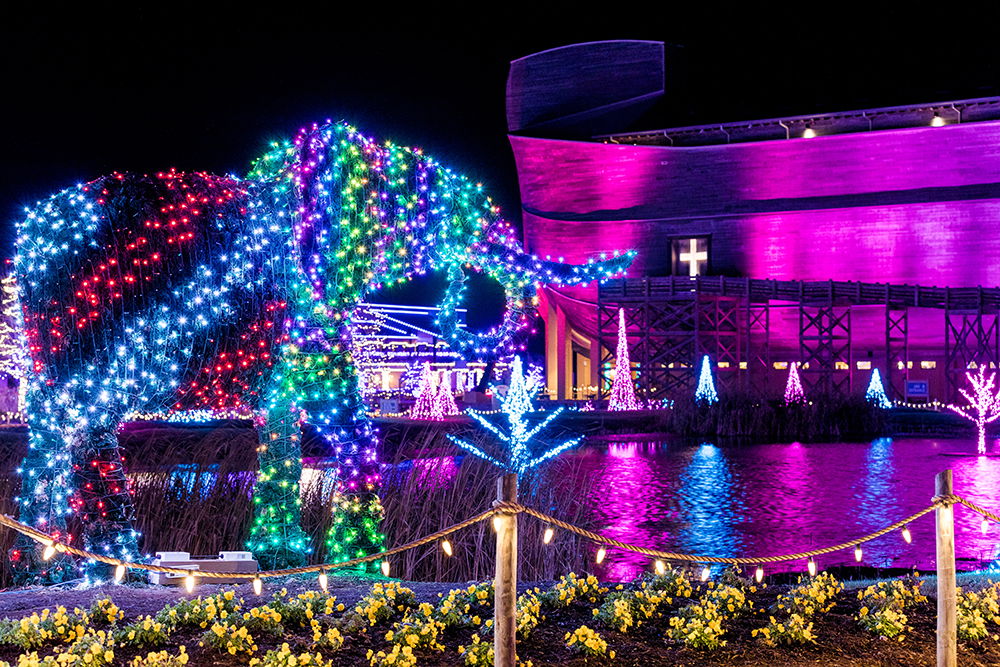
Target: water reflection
[(782, 498)]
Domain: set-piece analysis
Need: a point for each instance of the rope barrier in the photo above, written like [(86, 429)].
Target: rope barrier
[(499, 508), (697, 558), (28, 531)]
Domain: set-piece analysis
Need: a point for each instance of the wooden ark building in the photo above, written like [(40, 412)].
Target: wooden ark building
[(844, 241)]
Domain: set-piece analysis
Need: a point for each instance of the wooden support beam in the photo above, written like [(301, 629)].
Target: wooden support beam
[(947, 618), (505, 583)]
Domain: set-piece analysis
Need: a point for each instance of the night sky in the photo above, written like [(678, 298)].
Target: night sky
[(147, 89)]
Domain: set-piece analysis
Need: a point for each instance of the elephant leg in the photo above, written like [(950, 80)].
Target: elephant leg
[(276, 537), (44, 500), (103, 498), (357, 508)]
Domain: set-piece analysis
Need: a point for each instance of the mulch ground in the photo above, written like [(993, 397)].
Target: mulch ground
[(840, 640)]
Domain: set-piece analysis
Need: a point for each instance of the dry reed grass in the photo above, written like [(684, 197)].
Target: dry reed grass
[(192, 492)]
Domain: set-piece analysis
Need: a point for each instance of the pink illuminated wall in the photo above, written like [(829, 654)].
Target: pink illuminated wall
[(909, 206)]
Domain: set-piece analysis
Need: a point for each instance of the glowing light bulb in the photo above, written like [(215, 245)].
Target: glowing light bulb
[(496, 523), (759, 574), (189, 583), (385, 568), (119, 574), (446, 548), (985, 525), (706, 572), (324, 581), (661, 567), (812, 568), (857, 553), (808, 133), (549, 534), (258, 586), (601, 553), (49, 551), (907, 537), (937, 121)]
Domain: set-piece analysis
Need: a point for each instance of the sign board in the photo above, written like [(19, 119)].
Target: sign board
[(916, 389), (389, 406)]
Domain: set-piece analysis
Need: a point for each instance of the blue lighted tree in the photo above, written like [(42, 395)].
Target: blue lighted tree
[(875, 393), (705, 394), (515, 405)]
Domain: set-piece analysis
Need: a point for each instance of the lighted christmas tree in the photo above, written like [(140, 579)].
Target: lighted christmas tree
[(517, 456), (444, 400), (876, 392), (14, 359), (426, 395), (705, 394), (622, 389), (794, 394), (984, 403)]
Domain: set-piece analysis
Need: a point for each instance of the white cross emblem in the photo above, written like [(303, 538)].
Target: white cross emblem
[(692, 257)]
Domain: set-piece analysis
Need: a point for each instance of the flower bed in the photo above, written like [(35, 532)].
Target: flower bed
[(662, 619)]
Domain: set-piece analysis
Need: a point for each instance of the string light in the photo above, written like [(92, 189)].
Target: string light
[(985, 526), (119, 574), (385, 568), (601, 553), (324, 581), (759, 574), (189, 583), (660, 567), (48, 552), (548, 535), (857, 553), (706, 572), (907, 537), (812, 567), (446, 548), (258, 586), (496, 523)]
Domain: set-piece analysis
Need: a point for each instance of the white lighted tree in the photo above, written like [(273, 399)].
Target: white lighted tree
[(14, 359), (518, 456), (984, 403)]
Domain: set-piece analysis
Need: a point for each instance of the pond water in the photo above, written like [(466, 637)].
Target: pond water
[(753, 500)]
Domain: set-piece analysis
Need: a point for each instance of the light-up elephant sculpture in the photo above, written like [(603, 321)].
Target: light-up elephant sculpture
[(186, 290)]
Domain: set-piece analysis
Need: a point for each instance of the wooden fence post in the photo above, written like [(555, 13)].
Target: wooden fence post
[(505, 584), (947, 618)]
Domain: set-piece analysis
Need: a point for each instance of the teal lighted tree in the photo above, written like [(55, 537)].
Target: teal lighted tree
[(875, 393), (705, 394), (518, 457)]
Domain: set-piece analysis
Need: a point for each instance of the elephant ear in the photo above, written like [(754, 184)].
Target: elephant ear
[(520, 275)]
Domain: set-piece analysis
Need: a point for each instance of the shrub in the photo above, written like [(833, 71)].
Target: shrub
[(284, 657), (587, 642), (144, 633)]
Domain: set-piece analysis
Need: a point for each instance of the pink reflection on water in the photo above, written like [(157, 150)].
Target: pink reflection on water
[(623, 506)]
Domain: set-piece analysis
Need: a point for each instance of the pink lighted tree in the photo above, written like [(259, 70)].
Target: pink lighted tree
[(984, 403), (622, 389), (426, 395), (444, 400), (794, 393)]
